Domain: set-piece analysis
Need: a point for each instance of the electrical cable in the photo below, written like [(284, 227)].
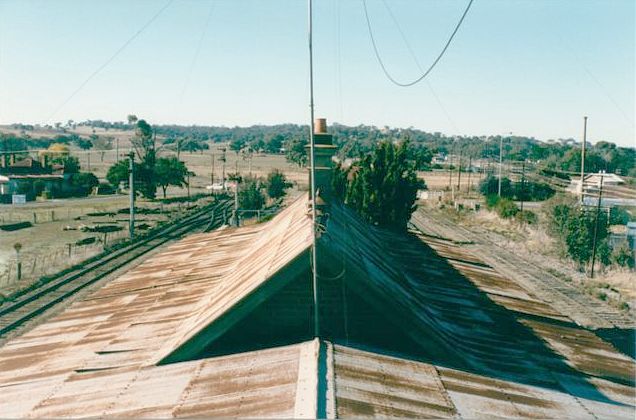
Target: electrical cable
[(431, 67), (419, 66), (197, 51), (602, 87), (110, 59)]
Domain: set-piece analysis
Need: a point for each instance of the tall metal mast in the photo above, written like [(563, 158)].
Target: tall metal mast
[(314, 265)]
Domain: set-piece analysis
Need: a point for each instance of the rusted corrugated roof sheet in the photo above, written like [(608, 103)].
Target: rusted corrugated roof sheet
[(480, 321), (371, 385), (114, 334), (492, 348)]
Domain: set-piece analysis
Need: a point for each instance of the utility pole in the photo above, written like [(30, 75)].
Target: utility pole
[(459, 172), (523, 178), (131, 188), (18, 247), (450, 171), (88, 154), (188, 184), (598, 210), (470, 170), (500, 165), (212, 173), (583, 156), (223, 159), (117, 150), (236, 203)]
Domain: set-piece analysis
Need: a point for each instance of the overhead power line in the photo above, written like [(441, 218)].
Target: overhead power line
[(197, 51), (431, 67), (419, 66), (110, 59)]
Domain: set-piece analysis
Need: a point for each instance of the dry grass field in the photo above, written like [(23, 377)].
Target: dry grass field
[(439, 180), (45, 244)]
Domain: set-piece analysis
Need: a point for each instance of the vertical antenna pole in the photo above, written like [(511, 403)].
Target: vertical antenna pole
[(312, 176)]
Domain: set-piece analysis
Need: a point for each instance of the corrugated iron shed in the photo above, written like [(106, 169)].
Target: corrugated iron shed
[(487, 347)]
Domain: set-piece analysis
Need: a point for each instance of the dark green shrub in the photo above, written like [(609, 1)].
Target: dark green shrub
[(623, 256), (491, 201), (506, 208), (490, 186), (526, 216)]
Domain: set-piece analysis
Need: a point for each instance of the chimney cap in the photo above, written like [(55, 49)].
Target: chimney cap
[(320, 126)]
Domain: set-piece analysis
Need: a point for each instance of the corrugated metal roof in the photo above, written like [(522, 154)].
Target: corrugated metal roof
[(114, 334), (368, 384), (481, 321), (494, 349)]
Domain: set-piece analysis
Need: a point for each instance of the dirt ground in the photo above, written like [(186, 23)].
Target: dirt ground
[(46, 242)]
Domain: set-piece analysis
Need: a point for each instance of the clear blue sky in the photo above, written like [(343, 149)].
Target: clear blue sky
[(529, 67)]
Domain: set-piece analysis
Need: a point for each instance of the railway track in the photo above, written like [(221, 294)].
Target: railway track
[(32, 302), (563, 296)]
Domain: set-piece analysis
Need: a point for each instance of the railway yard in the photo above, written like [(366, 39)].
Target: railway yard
[(28, 306), (509, 339), (584, 309), (31, 304)]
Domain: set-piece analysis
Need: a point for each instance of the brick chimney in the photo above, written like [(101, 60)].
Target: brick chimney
[(323, 152)]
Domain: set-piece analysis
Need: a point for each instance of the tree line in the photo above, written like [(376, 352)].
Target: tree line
[(561, 155)]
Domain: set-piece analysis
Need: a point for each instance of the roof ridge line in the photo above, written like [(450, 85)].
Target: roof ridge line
[(315, 388)]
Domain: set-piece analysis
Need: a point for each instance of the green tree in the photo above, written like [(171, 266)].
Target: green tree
[(70, 163), (192, 145), (250, 194), (144, 144), (422, 156), (296, 152), (382, 187), (84, 182), (170, 171), (574, 227), (118, 173), (490, 186), (236, 145), (82, 143), (276, 184), (102, 144)]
